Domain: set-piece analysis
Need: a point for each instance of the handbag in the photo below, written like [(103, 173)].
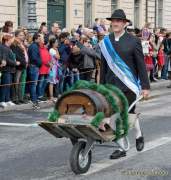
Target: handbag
[(88, 62)]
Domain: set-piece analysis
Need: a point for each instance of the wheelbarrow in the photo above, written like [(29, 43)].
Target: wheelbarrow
[(84, 137)]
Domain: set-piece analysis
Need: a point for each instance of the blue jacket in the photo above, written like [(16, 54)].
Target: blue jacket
[(64, 51), (34, 54)]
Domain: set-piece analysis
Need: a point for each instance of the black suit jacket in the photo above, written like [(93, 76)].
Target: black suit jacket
[(19, 54), (130, 50)]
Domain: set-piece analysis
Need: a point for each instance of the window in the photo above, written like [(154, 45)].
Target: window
[(136, 13), (114, 5), (56, 12), (88, 13), (19, 12), (160, 13), (22, 12)]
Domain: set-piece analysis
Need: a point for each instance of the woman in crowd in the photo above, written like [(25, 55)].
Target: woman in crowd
[(155, 43), (53, 75), (20, 54), (44, 69), (7, 71), (160, 60), (148, 59)]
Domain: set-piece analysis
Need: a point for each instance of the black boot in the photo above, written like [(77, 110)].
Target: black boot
[(118, 154), (140, 143)]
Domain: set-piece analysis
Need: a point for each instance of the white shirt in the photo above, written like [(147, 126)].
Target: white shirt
[(118, 37)]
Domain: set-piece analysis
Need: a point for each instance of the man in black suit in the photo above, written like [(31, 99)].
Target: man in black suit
[(129, 49)]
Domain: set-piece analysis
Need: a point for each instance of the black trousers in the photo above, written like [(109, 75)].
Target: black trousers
[(131, 97)]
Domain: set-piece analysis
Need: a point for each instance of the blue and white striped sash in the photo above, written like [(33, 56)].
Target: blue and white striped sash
[(118, 66)]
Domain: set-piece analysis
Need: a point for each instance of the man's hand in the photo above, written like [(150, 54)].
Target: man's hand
[(3, 63), (145, 93), (18, 63)]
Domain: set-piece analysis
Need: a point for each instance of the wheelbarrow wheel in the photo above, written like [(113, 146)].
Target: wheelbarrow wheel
[(80, 164)]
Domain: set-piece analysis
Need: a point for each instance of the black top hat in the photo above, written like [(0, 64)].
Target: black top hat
[(118, 14)]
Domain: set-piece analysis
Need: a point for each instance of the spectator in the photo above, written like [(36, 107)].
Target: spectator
[(74, 61), (53, 75), (97, 27), (33, 69), (160, 60), (167, 51), (149, 60), (102, 24), (79, 30), (64, 51), (44, 31), (54, 31), (2, 55), (146, 32), (155, 42), (8, 27), (93, 38), (7, 69), (87, 64), (19, 51), (44, 69)]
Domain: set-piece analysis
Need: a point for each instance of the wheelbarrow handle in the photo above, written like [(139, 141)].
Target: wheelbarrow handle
[(135, 102)]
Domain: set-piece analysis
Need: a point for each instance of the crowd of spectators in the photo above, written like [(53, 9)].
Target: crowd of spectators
[(42, 66)]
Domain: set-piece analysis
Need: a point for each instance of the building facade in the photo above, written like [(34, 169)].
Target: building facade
[(71, 13)]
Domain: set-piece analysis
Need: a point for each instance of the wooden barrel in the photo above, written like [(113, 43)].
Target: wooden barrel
[(86, 101)]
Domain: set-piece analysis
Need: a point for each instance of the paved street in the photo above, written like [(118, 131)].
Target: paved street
[(33, 154)]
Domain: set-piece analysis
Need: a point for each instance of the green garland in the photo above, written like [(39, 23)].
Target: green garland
[(97, 119), (106, 91), (53, 116)]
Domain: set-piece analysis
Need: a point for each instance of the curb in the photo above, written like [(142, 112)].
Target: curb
[(161, 84), (28, 106)]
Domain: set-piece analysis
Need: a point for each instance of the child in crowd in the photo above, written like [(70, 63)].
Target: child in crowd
[(53, 75), (160, 60)]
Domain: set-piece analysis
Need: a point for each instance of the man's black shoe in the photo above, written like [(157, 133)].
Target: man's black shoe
[(42, 99), (140, 143), (17, 102), (118, 154), (23, 102)]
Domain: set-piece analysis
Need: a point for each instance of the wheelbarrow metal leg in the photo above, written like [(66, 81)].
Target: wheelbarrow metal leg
[(89, 146)]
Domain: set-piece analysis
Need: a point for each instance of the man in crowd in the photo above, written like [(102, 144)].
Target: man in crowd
[(34, 65)]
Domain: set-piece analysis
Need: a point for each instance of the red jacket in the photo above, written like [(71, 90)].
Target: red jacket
[(46, 58)]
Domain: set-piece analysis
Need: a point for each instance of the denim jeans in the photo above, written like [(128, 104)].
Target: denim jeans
[(62, 80), (5, 90), (74, 77), (33, 74), (164, 74), (153, 71), (42, 85)]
